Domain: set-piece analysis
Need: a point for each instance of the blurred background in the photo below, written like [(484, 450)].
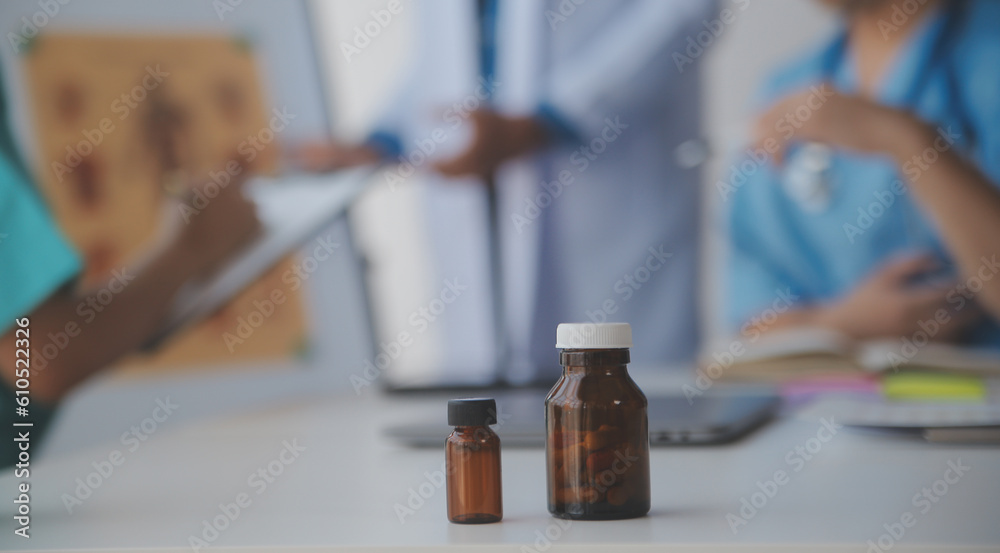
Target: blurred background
[(290, 56)]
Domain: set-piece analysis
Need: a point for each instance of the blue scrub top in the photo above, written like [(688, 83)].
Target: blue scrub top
[(949, 75)]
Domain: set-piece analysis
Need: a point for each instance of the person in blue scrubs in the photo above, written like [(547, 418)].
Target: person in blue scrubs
[(40, 309), (869, 203)]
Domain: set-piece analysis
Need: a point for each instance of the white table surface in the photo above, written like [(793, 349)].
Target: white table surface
[(340, 493)]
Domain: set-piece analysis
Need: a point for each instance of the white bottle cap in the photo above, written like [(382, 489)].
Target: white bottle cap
[(593, 336)]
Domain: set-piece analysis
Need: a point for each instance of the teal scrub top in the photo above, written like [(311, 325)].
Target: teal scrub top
[(780, 247), (35, 258), (35, 261)]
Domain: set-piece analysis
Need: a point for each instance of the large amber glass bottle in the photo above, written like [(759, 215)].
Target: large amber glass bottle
[(597, 439)]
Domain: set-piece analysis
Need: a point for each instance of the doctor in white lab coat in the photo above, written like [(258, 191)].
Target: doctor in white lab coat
[(578, 110)]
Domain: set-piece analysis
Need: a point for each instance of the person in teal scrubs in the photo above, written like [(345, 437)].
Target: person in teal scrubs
[(40, 307), (869, 202)]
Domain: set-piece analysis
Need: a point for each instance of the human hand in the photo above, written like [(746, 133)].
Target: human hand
[(321, 157), (217, 231), (496, 138), (843, 121), (888, 305)]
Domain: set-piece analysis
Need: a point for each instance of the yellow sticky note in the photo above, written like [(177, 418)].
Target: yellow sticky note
[(921, 385)]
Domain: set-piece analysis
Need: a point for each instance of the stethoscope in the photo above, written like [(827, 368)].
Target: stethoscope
[(808, 175)]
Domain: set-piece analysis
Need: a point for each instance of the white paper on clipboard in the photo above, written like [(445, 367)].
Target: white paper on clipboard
[(292, 211)]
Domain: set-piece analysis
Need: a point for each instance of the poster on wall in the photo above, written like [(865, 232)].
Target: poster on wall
[(123, 124)]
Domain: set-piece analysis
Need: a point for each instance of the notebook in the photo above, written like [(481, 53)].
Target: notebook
[(813, 352)]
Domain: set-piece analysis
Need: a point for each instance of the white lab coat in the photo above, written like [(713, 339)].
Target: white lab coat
[(607, 68)]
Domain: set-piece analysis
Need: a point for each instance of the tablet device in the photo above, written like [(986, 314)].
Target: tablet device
[(713, 418), (292, 211)]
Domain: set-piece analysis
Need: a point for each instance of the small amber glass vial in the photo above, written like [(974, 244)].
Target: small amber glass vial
[(597, 438), (472, 459)]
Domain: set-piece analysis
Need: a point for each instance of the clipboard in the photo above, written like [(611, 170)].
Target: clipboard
[(293, 210)]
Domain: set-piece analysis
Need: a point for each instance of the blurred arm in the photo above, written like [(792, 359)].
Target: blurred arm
[(138, 306), (961, 200), (626, 64), (121, 327)]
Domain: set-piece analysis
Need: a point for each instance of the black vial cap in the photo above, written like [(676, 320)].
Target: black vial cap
[(472, 412)]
